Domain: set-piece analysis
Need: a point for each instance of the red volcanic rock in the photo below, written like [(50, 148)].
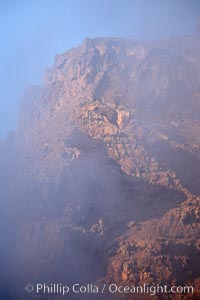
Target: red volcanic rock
[(105, 166)]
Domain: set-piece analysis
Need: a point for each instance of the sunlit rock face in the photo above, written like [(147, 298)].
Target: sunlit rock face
[(101, 179)]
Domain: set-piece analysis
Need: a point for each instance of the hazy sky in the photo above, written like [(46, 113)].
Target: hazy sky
[(32, 32)]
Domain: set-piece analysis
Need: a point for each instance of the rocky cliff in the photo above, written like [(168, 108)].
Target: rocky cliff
[(101, 179)]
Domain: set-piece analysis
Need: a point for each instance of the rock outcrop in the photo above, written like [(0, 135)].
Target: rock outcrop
[(101, 178)]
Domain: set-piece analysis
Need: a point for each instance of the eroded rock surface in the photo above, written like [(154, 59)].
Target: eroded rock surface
[(101, 179)]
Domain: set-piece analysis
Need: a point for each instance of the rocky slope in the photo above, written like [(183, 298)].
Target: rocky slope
[(100, 180)]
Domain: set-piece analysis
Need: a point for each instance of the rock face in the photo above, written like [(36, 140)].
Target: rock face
[(101, 179)]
